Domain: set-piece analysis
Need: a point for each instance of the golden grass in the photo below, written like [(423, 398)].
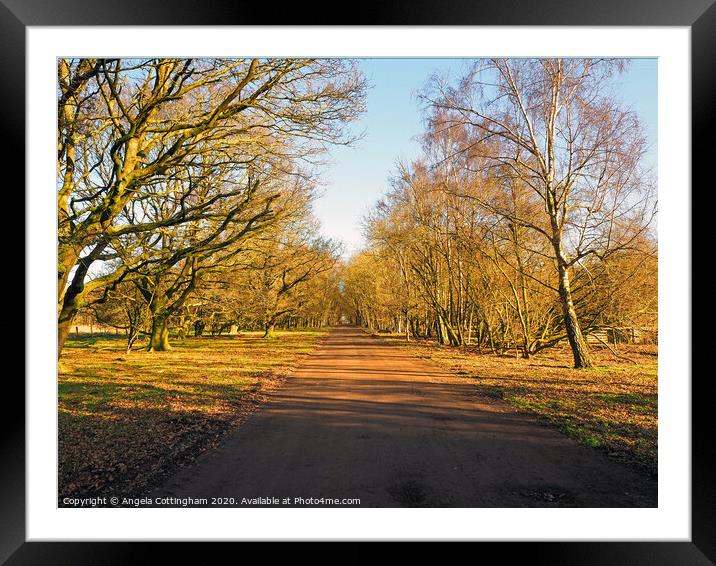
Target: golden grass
[(127, 419)]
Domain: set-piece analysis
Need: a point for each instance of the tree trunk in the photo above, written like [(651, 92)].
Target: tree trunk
[(132, 336), (159, 340), (70, 307), (72, 297), (269, 330), (580, 349), (440, 329), (454, 337), (467, 328), (64, 325)]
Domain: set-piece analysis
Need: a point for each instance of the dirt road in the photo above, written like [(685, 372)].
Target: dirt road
[(362, 419)]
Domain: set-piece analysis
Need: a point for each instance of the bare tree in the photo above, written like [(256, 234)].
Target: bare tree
[(130, 130), (284, 262), (551, 125)]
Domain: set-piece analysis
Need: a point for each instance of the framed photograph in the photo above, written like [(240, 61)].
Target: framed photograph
[(420, 276)]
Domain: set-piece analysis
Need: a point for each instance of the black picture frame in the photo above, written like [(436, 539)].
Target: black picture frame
[(699, 15)]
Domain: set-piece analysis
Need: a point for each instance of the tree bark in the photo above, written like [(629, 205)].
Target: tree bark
[(72, 298), (70, 307), (440, 329), (580, 349), (64, 325), (455, 336), (269, 330), (159, 339), (132, 336)]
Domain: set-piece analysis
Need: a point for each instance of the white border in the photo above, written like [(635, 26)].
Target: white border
[(671, 521)]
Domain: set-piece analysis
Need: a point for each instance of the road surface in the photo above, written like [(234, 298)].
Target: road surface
[(364, 420)]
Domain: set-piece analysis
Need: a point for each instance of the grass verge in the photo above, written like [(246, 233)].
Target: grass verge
[(126, 420)]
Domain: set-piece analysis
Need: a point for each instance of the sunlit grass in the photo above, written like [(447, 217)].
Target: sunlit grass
[(125, 418)]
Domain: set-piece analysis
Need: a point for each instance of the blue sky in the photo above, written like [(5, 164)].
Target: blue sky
[(358, 176)]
